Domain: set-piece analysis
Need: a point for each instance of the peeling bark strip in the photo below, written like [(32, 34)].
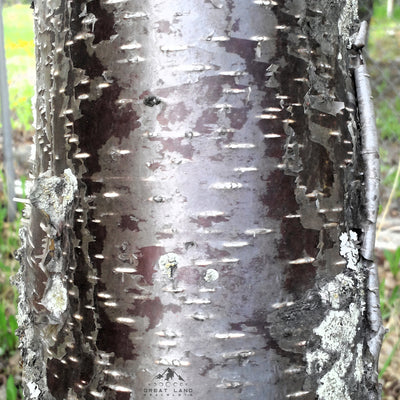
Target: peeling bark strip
[(203, 208), (370, 155)]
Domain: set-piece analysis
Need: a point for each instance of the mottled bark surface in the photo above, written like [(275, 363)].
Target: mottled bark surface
[(199, 204)]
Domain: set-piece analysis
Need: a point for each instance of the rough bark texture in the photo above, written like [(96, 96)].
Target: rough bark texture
[(199, 206)]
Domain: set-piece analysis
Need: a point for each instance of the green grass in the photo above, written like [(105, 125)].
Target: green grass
[(9, 242), (19, 44), (388, 177), (384, 36), (389, 359), (387, 118), (11, 389), (383, 49), (390, 304)]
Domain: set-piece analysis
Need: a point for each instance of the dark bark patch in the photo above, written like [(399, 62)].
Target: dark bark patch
[(188, 275), (213, 252), (79, 89), (176, 145), (296, 240), (81, 281), (40, 285), (152, 309), (246, 49), (319, 173), (271, 125), (81, 59), (58, 380), (290, 325), (99, 232), (129, 222), (325, 120), (85, 366), (122, 396), (104, 26), (173, 113), (92, 187), (236, 25), (279, 196), (113, 337), (101, 120), (147, 260), (260, 323), (238, 117), (295, 68), (207, 121), (300, 278), (275, 147), (61, 376)]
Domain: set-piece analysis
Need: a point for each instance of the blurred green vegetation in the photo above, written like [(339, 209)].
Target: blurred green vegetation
[(9, 357), (19, 44), (390, 301), (384, 67), (383, 50)]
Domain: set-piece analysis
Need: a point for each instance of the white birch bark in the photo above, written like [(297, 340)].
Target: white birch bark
[(199, 223)]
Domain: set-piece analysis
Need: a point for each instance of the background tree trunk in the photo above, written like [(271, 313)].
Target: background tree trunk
[(9, 184), (365, 9), (199, 210), (389, 10)]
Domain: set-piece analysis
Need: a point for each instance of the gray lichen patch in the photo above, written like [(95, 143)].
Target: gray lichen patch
[(349, 249), (211, 275), (168, 264), (336, 292), (56, 298), (338, 328), (54, 195), (335, 356), (333, 386), (318, 360), (359, 363), (338, 351), (347, 17)]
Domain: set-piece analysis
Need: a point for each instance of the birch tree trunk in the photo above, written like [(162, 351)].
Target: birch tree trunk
[(202, 214), (389, 8)]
